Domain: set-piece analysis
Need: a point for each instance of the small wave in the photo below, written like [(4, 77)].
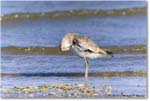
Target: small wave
[(56, 50), (104, 74), (75, 13)]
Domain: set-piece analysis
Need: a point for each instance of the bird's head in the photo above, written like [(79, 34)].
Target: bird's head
[(66, 42), (64, 48)]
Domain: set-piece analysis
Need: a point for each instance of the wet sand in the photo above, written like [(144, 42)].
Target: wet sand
[(64, 91), (56, 51), (97, 74)]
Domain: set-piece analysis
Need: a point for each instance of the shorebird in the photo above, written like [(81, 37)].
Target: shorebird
[(83, 47)]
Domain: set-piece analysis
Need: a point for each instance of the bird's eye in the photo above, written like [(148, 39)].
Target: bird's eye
[(75, 41)]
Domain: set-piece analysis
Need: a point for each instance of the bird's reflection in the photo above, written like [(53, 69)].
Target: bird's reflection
[(86, 83)]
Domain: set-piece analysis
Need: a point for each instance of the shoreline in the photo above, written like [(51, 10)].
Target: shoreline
[(56, 51), (97, 74)]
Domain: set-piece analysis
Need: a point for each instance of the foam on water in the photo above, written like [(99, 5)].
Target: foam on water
[(74, 13)]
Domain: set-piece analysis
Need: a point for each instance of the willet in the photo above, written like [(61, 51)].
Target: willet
[(83, 47)]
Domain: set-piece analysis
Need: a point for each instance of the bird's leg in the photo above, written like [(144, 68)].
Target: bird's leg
[(86, 67), (86, 84)]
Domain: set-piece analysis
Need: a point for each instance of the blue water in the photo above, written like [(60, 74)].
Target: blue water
[(122, 30), (38, 6), (71, 64)]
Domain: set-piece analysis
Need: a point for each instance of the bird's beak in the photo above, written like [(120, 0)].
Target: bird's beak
[(60, 47)]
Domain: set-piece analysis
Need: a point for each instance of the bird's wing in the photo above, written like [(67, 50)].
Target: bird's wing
[(88, 44), (83, 41)]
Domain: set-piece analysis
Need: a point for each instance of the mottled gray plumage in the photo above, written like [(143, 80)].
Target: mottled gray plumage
[(83, 47)]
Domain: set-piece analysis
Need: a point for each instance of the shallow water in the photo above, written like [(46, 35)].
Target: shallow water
[(118, 84), (123, 24), (71, 64), (101, 30), (23, 70)]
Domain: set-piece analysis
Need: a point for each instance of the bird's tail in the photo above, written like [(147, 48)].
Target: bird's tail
[(109, 53)]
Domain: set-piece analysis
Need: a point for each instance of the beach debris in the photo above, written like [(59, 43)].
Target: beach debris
[(43, 49), (63, 87), (16, 15), (8, 91), (44, 88), (28, 89), (81, 85), (123, 13), (56, 91), (63, 91), (107, 89)]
